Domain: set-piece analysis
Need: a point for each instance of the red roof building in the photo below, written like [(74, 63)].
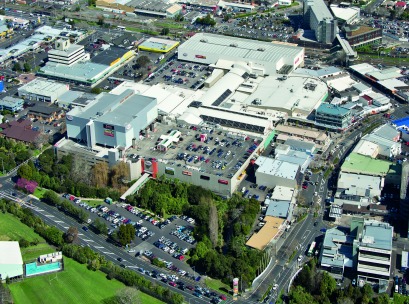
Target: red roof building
[(19, 130), (400, 4)]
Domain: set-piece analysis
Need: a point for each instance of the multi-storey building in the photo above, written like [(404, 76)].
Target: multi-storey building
[(320, 20)]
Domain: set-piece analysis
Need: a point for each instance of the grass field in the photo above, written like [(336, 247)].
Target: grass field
[(217, 285), (11, 229), (93, 202), (76, 284), (39, 192)]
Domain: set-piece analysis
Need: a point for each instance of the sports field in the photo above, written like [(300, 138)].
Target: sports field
[(76, 284), (11, 229)]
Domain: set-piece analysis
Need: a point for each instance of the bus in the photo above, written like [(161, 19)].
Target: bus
[(121, 27), (311, 250)]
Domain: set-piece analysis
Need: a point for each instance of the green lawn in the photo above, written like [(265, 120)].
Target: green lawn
[(93, 203), (217, 285), (76, 284), (11, 229), (39, 192)]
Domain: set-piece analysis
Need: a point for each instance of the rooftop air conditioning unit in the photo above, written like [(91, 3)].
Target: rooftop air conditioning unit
[(203, 40), (261, 49), (233, 44)]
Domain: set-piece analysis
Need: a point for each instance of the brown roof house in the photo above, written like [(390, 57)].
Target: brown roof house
[(44, 112), (19, 130)]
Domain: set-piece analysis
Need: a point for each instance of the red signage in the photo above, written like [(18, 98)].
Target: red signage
[(200, 56)]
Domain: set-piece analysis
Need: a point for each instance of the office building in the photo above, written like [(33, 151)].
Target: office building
[(271, 172), (362, 35), (318, 17), (334, 117), (372, 251), (11, 104), (66, 53)]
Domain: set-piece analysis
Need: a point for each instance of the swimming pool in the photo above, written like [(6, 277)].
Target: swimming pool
[(33, 268)]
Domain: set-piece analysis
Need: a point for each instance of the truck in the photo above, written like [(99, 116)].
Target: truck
[(108, 200), (404, 261)]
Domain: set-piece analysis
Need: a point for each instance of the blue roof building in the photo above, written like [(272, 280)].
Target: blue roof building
[(333, 117)]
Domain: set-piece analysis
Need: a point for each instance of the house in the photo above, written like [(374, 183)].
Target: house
[(401, 5), (46, 113), (19, 130)]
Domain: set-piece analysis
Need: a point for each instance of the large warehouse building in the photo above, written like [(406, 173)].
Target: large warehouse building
[(112, 120), (263, 58), (11, 261)]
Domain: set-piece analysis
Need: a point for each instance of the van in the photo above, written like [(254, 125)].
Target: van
[(243, 189)]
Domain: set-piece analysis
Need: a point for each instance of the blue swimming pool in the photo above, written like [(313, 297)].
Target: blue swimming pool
[(33, 268)]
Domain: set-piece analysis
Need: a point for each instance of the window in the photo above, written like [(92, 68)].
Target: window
[(204, 177)]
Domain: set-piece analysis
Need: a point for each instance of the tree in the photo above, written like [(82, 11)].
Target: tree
[(100, 226), (128, 295), (96, 90), (213, 224), (51, 198), (101, 20), (17, 67), (367, 293), (100, 174), (164, 31), (126, 234), (23, 243), (119, 173), (298, 295), (71, 235), (142, 61), (27, 67), (328, 285)]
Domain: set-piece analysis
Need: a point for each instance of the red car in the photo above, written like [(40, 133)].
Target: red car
[(304, 186), (181, 258), (190, 287), (223, 297), (171, 283)]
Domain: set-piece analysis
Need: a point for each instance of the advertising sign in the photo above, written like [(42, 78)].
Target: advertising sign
[(169, 170), (235, 287), (109, 130), (200, 57)]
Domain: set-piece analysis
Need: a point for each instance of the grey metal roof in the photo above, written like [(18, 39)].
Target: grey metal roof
[(240, 47), (299, 145), (320, 10), (377, 235), (278, 208)]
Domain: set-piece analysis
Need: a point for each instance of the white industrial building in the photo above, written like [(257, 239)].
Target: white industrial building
[(348, 15), (263, 58), (353, 186), (11, 261), (41, 89), (272, 172), (67, 53)]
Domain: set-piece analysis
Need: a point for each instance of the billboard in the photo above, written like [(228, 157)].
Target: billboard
[(169, 170), (109, 130), (235, 287)]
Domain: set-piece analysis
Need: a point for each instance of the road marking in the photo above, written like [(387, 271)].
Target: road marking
[(80, 234), (99, 247), (108, 252), (66, 227), (59, 222), (49, 215)]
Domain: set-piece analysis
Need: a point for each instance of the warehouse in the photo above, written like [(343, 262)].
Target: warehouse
[(263, 58), (112, 120), (42, 90), (11, 261), (272, 173)]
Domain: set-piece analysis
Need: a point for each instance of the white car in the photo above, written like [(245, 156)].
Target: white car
[(299, 258), (275, 286)]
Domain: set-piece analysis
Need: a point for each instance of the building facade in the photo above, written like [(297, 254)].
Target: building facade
[(42, 90), (363, 35), (11, 104), (66, 53), (318, 17), (334, 117)]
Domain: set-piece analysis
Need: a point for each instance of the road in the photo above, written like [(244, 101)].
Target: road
[(53, 217)]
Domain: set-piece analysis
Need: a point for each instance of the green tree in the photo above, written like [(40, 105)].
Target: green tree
[(126, 234), (298, 295), (100, 226), (25, 171), (96, 90), (71, 235), (17, 67), (51, 198), (328, 285), (27, 67), (165, 31), (367, 294), (142, 61)]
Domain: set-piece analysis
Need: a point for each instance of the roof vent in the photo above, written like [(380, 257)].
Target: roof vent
[(233, 45), (261, 49), (203, 40)]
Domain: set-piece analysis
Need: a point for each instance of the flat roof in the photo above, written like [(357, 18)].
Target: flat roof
[(360, 184), (71, 49), (344, 13), (41, 86), (275, 167), (159, 44), (268, 232), (106, 57), (367, 148), (316, 135), (81, 71), (320, 10), (330, 109), (281, 193), (243, 48), (10, 253), (298, 94), (340, 82), (318, 72), (357, 163), (389, 73), (392, 84), (114, 109), (277, 208), (377, 235), (363, 68)]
